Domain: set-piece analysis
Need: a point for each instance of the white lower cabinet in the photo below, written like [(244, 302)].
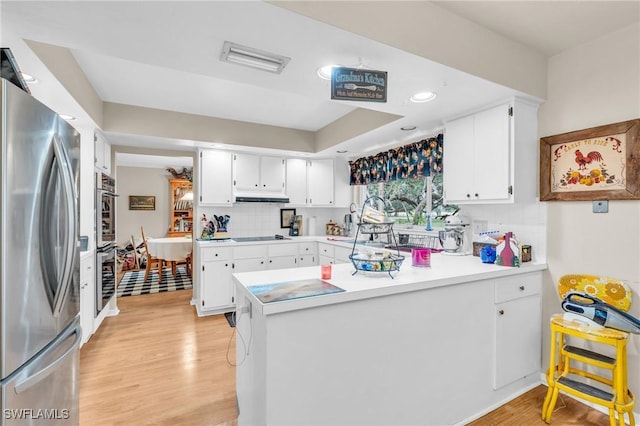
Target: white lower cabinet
[(333, 254), (282, 256), (518, 328), (87, 296), (216, 291), (214, 265), (307, 254), (249, 258), (341, 254), (326, 251)]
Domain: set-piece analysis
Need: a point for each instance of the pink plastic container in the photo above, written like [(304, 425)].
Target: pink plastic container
[(421, 257)]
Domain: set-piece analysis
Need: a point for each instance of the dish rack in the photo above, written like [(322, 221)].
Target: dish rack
[(411, 241), (372, 261)]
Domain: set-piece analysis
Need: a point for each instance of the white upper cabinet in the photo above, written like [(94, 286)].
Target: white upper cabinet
[(215, 178), (102, 150), (297, 181), (320, 188), (253, 173), (272, 171), (310, 182), (482, 150)]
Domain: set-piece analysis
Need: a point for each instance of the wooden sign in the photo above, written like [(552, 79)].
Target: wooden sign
[(356, 84)]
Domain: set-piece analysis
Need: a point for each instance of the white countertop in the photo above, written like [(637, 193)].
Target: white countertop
[(290, 240), (444, 270)]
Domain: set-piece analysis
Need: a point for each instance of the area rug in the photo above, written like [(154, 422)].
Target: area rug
[(132, 283)]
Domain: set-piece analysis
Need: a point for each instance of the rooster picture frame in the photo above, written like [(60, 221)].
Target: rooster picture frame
[(599, 163)]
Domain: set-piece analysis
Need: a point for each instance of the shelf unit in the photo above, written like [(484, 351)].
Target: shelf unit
[(181, 217), (379, 262)]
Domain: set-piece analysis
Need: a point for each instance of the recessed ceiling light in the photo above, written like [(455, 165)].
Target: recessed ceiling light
[(408, 128), (325, 71), (28, 77), (423, 97), (67, 117)]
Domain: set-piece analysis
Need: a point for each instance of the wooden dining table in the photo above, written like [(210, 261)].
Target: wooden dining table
[(171, 250)]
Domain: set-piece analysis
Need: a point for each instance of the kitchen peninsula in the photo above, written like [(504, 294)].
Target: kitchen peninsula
[(439, 345)]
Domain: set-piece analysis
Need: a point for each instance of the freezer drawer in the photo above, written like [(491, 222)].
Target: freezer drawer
[(45, 390)]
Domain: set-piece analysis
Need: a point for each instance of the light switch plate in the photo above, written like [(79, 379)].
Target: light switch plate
[(601, 207), (479, 226)]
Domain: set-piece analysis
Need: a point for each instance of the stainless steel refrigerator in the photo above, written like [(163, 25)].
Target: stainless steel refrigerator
[(39, 294)]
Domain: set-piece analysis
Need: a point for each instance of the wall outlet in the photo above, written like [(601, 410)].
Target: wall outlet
[(479, 226), (601, 206), (246, 307)]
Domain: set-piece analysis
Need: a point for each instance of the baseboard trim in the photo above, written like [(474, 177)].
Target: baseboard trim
[(500, 403)]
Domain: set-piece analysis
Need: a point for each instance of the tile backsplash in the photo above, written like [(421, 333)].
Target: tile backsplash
[(255, 219)]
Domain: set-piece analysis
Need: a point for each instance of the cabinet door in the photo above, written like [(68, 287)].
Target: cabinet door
[(217, 288), (491, 154), (296, 181), (320, 182), (246, 172), (325, 260), (307, 260), (341, 254), (282, 262), (87, 298), (249, 265), (272, 174), (102, 153), (517, 339), (215, 177), (458, 160)]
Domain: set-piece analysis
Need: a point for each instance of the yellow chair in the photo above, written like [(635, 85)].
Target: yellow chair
[(570, 365)]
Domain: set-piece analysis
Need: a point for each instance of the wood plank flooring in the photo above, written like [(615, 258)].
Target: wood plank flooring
[(157, 363)]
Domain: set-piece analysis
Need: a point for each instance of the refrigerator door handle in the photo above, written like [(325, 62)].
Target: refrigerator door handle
[(33, 379), (71, 248)]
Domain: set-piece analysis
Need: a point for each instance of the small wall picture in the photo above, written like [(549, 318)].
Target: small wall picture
[(142, 202), (285, 217)]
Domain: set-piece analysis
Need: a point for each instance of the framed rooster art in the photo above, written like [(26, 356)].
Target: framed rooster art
[(600, 163)]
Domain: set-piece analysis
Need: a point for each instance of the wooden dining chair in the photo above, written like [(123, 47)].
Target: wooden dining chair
[(152, 262), (186, 262)]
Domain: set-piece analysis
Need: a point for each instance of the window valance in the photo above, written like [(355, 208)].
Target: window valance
[(416, 160)]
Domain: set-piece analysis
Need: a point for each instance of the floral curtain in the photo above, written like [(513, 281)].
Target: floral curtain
[(416, 160)]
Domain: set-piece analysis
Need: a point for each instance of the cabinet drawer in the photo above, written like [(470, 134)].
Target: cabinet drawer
[(283, 250), (325, 249), (518, 286), (341, 254), (216, 253), (250, 252), (307, 248)]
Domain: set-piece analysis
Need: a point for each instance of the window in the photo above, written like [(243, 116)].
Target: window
[(408, 200)]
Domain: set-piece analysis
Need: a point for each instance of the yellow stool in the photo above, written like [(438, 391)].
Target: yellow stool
[(564, 374)]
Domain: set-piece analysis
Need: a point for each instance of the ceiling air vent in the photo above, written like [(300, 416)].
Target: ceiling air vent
[(254, 58)]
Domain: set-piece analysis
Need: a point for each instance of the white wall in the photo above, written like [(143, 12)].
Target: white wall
[(142, 181), (594, 84)]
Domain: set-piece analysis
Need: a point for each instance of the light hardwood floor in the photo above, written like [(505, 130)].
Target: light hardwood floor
[(157, 363)]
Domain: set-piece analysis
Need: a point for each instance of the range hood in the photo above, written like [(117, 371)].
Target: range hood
[(260, 197)]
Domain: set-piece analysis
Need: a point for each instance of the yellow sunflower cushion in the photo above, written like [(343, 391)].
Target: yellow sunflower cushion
[(609, 290)]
